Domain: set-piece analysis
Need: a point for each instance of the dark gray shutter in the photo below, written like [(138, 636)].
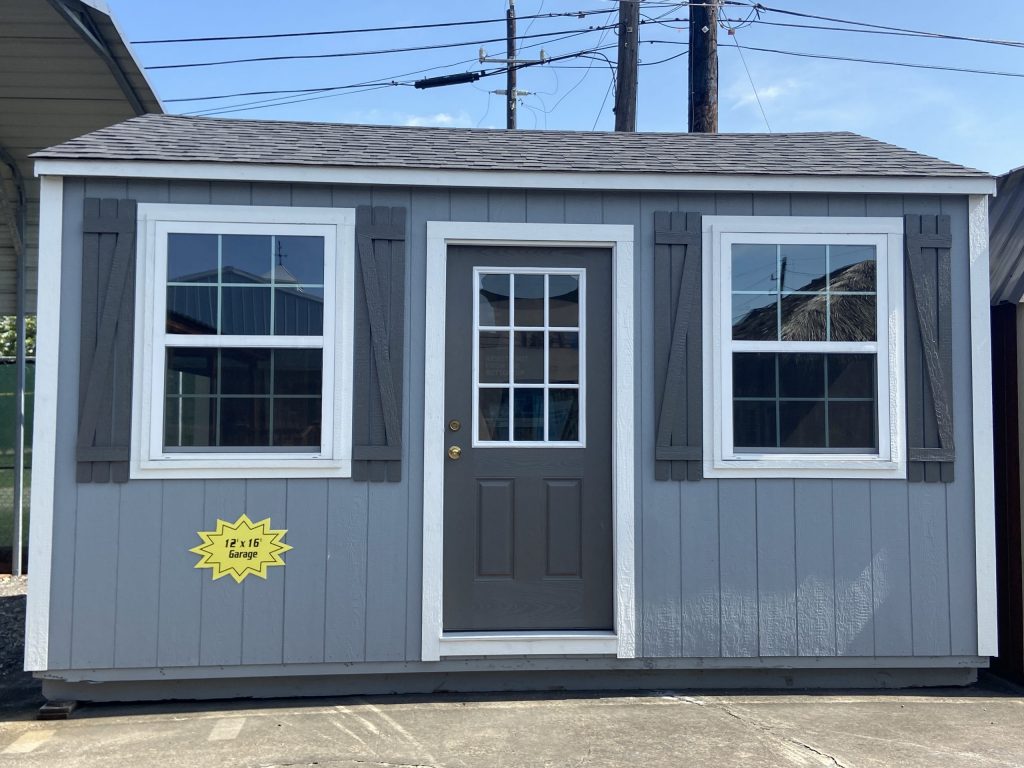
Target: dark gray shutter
[(677, 346), (379, 339), (108, 317), (929, 355)]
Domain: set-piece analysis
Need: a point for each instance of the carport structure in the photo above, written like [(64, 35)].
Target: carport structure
[(65, 70)]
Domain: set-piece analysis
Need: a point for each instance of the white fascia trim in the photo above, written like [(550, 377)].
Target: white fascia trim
[(528, 644), (981, 416), (426, 177), (887, 232), (620, 239), (44, 438), (145, 460)]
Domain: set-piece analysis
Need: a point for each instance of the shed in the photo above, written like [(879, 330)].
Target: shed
[(1007, 275), (338, 408)]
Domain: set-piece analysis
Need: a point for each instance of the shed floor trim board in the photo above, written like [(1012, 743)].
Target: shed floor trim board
[(518, 665), (434, 683)]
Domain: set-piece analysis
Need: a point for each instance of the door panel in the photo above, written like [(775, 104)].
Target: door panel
[(528, 502)]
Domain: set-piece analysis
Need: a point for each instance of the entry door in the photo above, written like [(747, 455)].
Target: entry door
[(528, 466)]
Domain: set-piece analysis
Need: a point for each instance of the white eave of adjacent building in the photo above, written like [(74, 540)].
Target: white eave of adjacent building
[(65, 70)]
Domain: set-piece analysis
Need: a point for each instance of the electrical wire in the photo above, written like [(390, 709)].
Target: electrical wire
[(402, 28), (589, 67), (603, 102), (347, 54), (885, 32), (300, 91), (751, 79), (284, 101), (918, 32), (911, 65), (230, 110)]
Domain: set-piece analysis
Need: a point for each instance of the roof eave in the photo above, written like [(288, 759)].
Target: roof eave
[(426, 177)]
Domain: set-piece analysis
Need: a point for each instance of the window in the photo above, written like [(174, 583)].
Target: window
[(803, 346), (529, 355), (246, 360)]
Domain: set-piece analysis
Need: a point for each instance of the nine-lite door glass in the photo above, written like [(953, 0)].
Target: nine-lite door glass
[(529, 352), (244, 394), (804, 400)]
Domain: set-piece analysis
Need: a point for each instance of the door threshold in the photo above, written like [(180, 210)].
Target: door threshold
[(541, 643)]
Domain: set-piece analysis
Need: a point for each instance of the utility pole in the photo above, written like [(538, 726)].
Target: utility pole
[(510, 93), (703, 102), (628, 65), (510, 87)]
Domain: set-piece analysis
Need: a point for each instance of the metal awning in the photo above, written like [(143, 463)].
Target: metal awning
[(65, 70)]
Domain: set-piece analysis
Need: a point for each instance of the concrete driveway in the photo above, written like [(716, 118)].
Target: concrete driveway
[(980, 726)]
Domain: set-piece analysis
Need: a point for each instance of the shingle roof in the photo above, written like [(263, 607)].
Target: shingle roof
[(203, 139)]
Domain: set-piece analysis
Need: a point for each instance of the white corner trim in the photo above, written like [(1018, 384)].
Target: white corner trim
[(44, 438), (428, 177), (981, 416), (619, 238), (337, 227), (885, 233), (529, 644)]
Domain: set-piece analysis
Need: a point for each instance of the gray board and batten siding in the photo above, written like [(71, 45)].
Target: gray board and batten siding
[(725, 568)]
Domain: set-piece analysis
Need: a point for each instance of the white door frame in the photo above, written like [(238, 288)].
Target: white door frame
[(622, 641)]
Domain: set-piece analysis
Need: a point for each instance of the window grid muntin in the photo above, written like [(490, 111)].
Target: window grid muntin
[(779, 293), (272, 285), (778, 400), (218, 395), (732, 346), (511, 386)]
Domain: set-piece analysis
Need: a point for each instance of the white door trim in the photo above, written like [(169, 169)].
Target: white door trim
[(619, 238)]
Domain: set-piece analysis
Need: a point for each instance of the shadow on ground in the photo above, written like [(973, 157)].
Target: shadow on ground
[(20, 693)]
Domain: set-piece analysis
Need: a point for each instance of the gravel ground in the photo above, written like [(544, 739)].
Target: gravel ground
[(18, 689)]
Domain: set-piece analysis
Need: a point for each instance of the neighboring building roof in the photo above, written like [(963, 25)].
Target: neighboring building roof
[(175, 138), (1006, 238), (65, 69)]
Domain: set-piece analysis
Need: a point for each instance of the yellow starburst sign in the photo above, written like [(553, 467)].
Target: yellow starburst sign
[(240, 548)]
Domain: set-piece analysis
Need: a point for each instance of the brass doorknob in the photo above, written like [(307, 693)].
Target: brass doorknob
[(455, 453)]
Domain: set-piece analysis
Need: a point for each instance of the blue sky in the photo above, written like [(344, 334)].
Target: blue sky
[(977, 120)]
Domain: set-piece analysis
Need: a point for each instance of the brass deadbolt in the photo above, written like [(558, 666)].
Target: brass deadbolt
[(454, 425), (455, 453)]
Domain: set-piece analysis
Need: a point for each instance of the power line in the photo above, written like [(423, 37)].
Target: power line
[(732, 33), (327, 32), (301, 91), (345, 54), (886, 32), (937, 35), (284, 101), (229, 110), (824, 56)]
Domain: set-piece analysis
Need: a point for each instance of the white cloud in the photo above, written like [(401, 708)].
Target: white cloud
[(443, 119), (742, 95)]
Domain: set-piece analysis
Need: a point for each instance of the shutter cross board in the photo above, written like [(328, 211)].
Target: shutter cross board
[(108, 317), (929, 310), (677, 346), (379, 339)]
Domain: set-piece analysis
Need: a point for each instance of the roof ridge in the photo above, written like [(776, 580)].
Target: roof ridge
[(466, 129)]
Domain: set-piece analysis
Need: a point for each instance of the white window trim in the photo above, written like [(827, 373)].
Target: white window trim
[(546, 385), (435, 643), (719, 232), (337, 226)]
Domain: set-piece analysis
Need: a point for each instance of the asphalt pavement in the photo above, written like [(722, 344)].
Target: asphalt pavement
[(978, 726)]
